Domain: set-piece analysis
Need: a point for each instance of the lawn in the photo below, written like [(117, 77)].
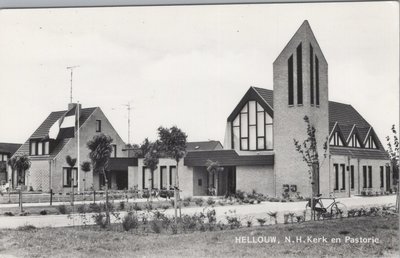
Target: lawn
[(93, 242)]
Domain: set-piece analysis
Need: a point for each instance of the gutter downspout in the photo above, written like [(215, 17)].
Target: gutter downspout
[(358, 177)]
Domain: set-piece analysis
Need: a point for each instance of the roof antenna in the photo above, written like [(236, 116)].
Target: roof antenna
[(128, 106), (71, 68)]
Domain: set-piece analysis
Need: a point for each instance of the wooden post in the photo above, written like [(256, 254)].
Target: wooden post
[(51, 197), (94, 196), (20, 200)]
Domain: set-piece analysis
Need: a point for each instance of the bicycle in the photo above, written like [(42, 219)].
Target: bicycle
[(333, 210)]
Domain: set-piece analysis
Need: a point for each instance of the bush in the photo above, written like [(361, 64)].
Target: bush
[(122, 205), (186, 203), (26, 227), (188, 199), (100, 220), (199, 201), (149, 206), (174, 228), (8, 213), (62, 209), (240, 194), (210, 201), (24, 213), (233, 221), (82, 208), (156, 226), (136, 207), (94, 207), (261, 221), (130, 221), (165, 206), (43, 212)]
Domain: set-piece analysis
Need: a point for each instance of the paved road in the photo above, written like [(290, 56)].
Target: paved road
[(243, 211)]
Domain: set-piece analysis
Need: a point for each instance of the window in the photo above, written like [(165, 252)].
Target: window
[(114, 150), (4, 157), (46, 148), (290, 80), (311, 75), (354, 142), (336, 140), (69, 175), (343, 168), (316, 81), (40, 148), (387, 177), (352, 177), (33, 148), (371, 144), (252, 128), (336, 167), (369, 176), (172, 174), (299, 56), (382, 177), (163, 177), (364, 176), (98, 125), (199, 182)]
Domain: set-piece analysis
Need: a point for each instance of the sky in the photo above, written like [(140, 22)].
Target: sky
[(187, 65)]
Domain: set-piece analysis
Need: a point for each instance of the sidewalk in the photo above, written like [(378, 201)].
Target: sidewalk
[(254, 211)]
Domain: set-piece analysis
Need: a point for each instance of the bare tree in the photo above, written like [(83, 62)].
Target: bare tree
[(393, 151)]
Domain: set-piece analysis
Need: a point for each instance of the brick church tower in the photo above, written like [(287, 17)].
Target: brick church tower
[(300, 89)]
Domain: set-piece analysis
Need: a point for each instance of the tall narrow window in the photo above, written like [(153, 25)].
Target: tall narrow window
[(40, 148), (172, 172), (387, 178), (46, 148), (369, 176), (336, 166), (352, 177), (163, 177), (299, 75), (316, 81), (311, 75), (364, 176), (343, 168), (33, 148), (382, 177), (98, 125), (290, 80), (114, 150)]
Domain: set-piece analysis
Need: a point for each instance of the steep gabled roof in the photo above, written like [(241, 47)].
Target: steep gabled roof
[(345, 114), (43, 130), (9, 148), (205, 145)]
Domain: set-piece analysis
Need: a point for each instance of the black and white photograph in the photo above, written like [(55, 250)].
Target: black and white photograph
[(199, 129)]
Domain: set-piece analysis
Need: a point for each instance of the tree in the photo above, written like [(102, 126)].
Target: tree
[(86, 167), (213, 167), (151, 158), (393, 151), (309, 151), (22, 164), (100, 152), (12, 162), (173, 144)]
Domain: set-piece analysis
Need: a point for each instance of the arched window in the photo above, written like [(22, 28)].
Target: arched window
[(252, 128)]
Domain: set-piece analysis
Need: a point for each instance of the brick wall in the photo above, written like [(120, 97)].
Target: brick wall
[(259, 178)]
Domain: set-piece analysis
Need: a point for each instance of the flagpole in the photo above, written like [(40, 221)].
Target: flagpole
[(78, 143)]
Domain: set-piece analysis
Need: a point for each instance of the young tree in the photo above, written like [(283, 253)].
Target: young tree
[(393, 151), (71, 163), (173, 143), (309, 151), (22, 164), (213, 167), (12, 162), (86, 167), (100, 152), (151, 159)]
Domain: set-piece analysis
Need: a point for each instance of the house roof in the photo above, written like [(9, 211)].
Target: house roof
[(359, 153), (201, 146), (9, 148), (43, 130), (226, 158)]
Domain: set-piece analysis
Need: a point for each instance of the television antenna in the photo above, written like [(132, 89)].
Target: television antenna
[(128, 106), (71, 68)]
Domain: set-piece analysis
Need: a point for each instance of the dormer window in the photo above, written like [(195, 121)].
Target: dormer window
[(354, 142), (252, 128), (39, 147), (371, 144), (336, 140)]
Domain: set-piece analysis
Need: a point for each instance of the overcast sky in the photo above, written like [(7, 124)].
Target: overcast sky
[(188, 65)]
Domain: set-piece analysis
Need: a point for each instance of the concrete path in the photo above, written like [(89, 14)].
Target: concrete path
[(242, 211)]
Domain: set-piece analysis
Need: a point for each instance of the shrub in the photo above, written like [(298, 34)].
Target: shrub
[(188, 199), (199, 201), (249, 223), (211, 216), (24, 213), (174, 228), (210, 201), (233, 221), (273, 215), (149, 206), (261, 221), (8, 213), (186, 203), (82, 208), (165, 206), (94, 207), (240, 194), (26, 227), (122, 205), (221, 203), (299, 218), (62, 209), (130, 221), (156, 226), (246, 200), (100, 220), (43, 212), (136, 207), (251, 201)]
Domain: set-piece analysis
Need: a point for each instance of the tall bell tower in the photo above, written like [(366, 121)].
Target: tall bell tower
[(300, 89)]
